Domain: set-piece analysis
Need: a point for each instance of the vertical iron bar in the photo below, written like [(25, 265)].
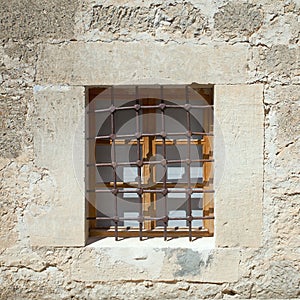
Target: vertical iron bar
[(113, 131), (112, 94), (91, 147), (141, 223), (139, 157), (116, 222), (188, 115), (163, 128)]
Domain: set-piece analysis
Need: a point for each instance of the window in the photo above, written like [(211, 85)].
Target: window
[(149, 161)]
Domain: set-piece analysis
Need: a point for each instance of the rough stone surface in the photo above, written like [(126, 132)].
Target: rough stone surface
[(139, 262), (13, 116), (258, 39), (181, 19), (39, 20), (238, 20), (277, 65)]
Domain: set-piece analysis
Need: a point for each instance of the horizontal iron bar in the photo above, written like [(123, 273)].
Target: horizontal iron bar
[(141, 219), (152, 162), (150, 106), (158, 106), (99, 191), (141, 135), (138, 191), (171, 232), (188, 106), (193, 218), (158, 184), (153, 191)]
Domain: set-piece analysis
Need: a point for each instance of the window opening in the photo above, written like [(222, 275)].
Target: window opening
[(149, 161)]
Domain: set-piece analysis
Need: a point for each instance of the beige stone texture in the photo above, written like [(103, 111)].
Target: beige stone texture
[(131, 63), (281, 180), (50, 49), (238, 20), (238, 152), (37, 19), (278, 64), (139, 262), (59, 148)]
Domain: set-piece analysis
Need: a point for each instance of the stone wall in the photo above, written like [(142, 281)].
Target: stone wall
[(50, 50)]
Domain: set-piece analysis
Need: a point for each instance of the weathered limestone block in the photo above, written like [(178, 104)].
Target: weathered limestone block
[(13, 110), (282, 170), (102, 290), (28, 20), (282, 30), (164, 263), (282, 180), (17, 68), (182, 19), (284, 218), (238, 20), (14, 197), (8, 219), (276, 65), (25, 283), (278, 273), (282, 140), (28, 258), (238, 152), (130, 63), (284, 113), (59, 148)]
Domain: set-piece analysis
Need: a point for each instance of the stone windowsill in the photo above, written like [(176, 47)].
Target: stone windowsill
[(157, 243)]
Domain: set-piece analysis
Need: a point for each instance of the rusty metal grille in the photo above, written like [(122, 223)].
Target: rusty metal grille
[(151, 189)]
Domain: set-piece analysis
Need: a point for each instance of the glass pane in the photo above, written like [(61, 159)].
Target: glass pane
[(177, 214), (175, 173), (125, 122), (105, 208), (130, 174), (124, 95), (175, 120), (176, 147), (105, 174), (126, 152), (151, 121), (196, 172), (197, 223), (103, 152), (129, 215), (102, 123)]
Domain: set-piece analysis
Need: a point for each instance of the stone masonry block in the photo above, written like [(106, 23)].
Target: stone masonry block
[(165, 263), (131, 63), (59, 148), (238, 151)]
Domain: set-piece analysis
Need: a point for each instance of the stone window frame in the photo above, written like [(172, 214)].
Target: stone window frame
[(233, 228), (58, 219)]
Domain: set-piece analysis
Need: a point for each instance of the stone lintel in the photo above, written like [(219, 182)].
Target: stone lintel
[(135, 63)]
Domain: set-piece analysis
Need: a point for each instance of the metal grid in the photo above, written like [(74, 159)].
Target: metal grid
[(158, 187)]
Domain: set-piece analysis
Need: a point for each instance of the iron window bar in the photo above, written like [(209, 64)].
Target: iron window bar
[(160, 106), (153, 162), (140, 135)]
